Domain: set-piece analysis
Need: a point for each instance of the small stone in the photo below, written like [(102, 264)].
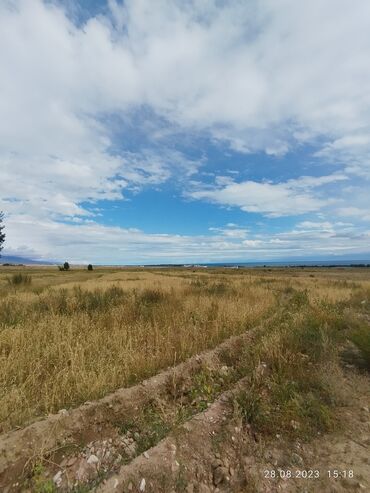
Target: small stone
[(297, 459), (294, 424), (219, 475), (115, 483), (63, 412), (216, 463), (92, 459), (146, 455), (58, 478), (130, 486), (142, 485), (71, 461), (203, 488)]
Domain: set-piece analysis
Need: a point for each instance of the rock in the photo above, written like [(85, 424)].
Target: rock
[(203, 488), (216, 463), (142, 485), (130, 486), (146, 455), (58, 478), (220, 474), (92, 459), (71, 461), (297, 459), (130, 447), (294, 424)]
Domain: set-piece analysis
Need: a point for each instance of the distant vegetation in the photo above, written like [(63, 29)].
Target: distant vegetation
[(2, 234)]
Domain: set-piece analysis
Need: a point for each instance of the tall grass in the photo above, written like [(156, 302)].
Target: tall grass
[(65, 346), (19, 279), (292, 374), (63, 342)]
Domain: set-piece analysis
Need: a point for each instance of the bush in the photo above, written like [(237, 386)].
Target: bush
[(19, 279), (151, 296), (66, 266), (89, 267), (361, 339)]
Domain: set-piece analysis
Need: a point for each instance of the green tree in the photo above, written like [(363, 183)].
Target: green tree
[(66, 266), (89, 267), (2, 234)]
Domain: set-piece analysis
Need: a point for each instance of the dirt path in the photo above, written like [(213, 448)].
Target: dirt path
[(215, 452)]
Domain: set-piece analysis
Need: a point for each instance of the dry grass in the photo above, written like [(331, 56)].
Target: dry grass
[(69, 337)]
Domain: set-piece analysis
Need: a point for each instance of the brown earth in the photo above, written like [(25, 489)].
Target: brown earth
[(216, 452)]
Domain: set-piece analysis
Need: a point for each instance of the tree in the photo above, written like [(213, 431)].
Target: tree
[(66, 266), (89, 267), (2, 234)]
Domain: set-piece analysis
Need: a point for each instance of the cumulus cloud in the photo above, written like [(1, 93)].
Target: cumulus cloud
[(97, 243), (257, 76), (288, 198)]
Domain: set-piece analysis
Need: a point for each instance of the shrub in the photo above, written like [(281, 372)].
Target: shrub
[(361, 338), (66, 266), (19, 279), (89, 267), (151, 296)]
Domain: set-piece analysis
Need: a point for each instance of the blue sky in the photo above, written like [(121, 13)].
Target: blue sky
[(172, 131)]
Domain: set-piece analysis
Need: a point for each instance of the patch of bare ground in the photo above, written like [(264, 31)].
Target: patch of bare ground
[(77, 448), (217, 451)]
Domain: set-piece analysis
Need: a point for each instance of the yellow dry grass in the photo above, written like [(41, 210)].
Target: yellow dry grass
[(74, 336)]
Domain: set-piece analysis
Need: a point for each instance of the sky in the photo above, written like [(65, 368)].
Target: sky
[(185, 131)]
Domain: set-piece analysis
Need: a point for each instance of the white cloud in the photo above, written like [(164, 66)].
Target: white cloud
[(259, 75), (354, 212), (91, 242), (288, 198)]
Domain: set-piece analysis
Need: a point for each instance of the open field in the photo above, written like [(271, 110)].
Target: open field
[(76, 336)]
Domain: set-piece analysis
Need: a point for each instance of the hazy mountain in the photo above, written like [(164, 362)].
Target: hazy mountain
[(11, 259)]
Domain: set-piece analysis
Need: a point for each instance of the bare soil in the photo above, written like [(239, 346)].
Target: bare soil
[(216, 452)]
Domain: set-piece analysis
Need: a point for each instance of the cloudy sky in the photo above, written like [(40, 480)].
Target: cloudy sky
[(185, 130)]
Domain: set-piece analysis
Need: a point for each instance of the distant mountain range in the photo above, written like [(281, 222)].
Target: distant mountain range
[(11, 259)]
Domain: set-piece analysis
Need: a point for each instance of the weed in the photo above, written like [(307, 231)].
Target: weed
[(19, 279), (361, 338)]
